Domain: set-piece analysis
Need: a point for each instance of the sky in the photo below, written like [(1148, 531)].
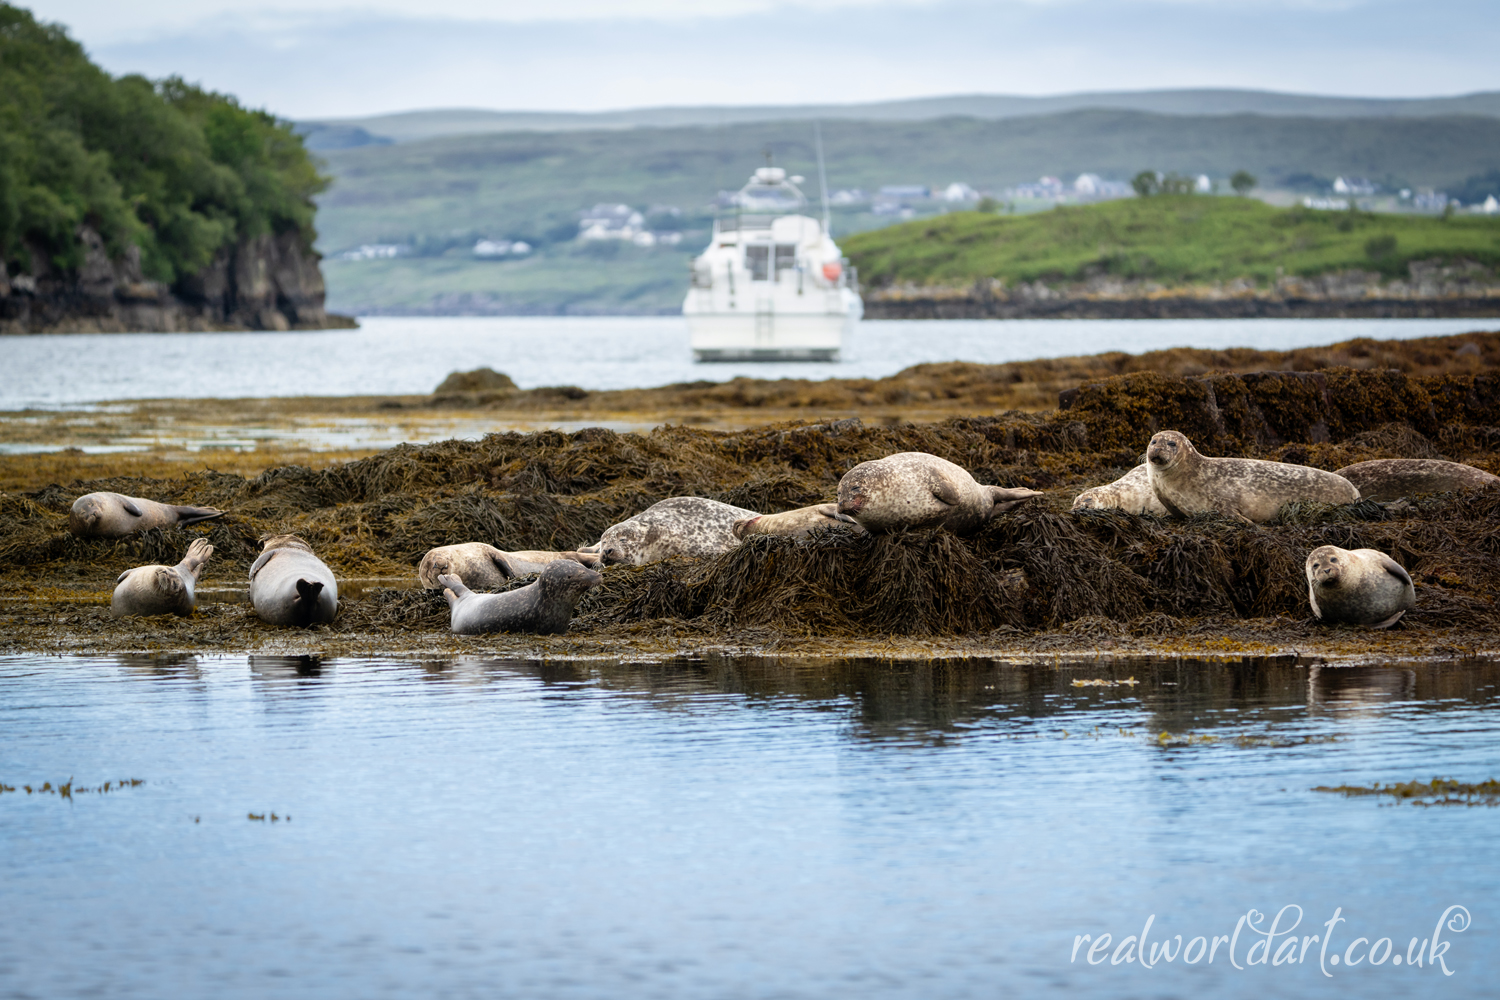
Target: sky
[(349, 58)]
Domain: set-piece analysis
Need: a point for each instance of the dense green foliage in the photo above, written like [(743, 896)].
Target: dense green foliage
[(166, 166), (1170, 238)]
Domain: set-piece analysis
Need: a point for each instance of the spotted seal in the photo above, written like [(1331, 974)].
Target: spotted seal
[(1245, 488), (794, 522), (289, 585), (544, 607), (161, 590), (1131, 493), (114, 515), (1393, 478), (680, 526), (483, 567), (1359, 586), (913, 489)]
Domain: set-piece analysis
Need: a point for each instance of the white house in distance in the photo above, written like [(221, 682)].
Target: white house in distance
[(958, 191), (611, 222), (502, 248)]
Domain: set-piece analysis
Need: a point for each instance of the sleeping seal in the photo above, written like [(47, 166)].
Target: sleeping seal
[(1131, 493), (291, 586), (161, 590), (111, 515), (912, 489), (484, 567), (544, 607), (1361, 587), (1394, 478), (1244, 488), (797, 522), (681, 526)]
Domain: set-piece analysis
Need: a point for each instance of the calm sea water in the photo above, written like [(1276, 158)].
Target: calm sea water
[(397, 356), (734, 828)]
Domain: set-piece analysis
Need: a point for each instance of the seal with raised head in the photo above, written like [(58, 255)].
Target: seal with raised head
[(1394, 478), (114, 515), (1249, 489), (797, 522), (289, 585), (1131, 493), (913, 489), (680, 526), (161, 590), (544, 607), (1359, 586), (483, 567)]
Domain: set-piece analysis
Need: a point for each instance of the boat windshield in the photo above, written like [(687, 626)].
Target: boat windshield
[(769, 190)]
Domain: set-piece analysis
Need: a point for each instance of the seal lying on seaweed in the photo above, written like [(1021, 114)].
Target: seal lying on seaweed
[(114, 515), (794, 522), (913, 489), (1359, 586), (1249, 489), (483, 567), (1131, 493), (679, 526), (1394, 478), (161, 590), (289, 585), (544, 607)]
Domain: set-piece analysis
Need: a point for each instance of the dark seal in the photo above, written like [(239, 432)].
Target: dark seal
[(544, 607), (1394, 478)]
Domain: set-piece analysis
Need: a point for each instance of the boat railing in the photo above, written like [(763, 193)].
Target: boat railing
[(736, 223)]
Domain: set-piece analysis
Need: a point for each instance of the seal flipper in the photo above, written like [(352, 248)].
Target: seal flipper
[(192, 515), (197, 557), (1395, 569), (453, 589), (131, 507), (307, 600), (1007, 499)]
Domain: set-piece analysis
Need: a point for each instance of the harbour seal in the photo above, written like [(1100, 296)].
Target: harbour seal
[(1131, 493), (544, 607), (1245, 488), (797, 522), (113, 515), (1394, 478), (1361, 587), (680, 526), (289, 585), (483, 567), (912, 489), (161, 590)]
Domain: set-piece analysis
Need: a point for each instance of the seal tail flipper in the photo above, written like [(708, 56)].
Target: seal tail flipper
[(307, 600), (192, 515), (1006, 499), (197, 557), (453, 588), (1393, 619)]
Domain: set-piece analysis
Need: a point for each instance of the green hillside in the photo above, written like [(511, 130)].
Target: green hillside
[(1174, 239)]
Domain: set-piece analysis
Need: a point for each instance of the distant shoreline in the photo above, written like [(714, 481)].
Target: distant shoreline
[(976, 307)]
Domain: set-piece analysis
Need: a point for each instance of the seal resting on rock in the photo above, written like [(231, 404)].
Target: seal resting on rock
[(1245, 488), (1359, 586), (483, 567), (1131, 493), (113, 515), (797, 522), (544, 607), (680, 526), (1393, 478), (291, 586), (161, 590), (913, 489)]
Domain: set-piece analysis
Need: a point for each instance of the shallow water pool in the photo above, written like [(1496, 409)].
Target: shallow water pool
[(738, 828)]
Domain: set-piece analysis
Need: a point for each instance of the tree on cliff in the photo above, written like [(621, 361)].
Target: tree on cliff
[(167, 167)]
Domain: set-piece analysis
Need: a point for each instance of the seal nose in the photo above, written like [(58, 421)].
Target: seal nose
[(852, 505)]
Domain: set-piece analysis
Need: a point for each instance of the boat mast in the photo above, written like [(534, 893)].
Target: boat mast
[(822, 176)]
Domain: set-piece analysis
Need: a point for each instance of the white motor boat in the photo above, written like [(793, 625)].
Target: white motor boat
[(772, 285)]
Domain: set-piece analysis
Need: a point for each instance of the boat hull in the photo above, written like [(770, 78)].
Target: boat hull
[(771, 336)]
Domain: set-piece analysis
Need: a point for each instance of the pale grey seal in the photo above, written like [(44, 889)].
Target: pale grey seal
[(795, 522), (913, 489), (1361, 587), (161, 590), (1245, 488), (113, 515), (483, 567), (680, 526), (1393, 478), (289, 585), (1131, 493), (544, 607)]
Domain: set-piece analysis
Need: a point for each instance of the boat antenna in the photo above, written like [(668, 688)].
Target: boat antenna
[(822, 176)]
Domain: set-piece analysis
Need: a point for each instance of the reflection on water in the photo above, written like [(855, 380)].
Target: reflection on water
[(731, 826)]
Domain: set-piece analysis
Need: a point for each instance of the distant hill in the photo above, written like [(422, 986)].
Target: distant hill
[(412, 126)]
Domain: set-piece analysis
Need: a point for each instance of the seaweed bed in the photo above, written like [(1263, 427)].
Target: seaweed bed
[(1044, 581)]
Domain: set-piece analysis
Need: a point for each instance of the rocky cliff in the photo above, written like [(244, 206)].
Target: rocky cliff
[(269, 282)]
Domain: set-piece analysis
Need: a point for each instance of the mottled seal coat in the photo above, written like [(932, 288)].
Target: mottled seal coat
[(680, 526), (797, 522), (483, 567), (161, 590), (544, 607), (1393, 478), (1131, 493), (113, 515), (1245, 488), (291, 586), (913, 489), (1361, 587)]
